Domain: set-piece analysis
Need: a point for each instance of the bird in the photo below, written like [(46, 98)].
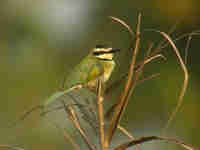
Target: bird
[(99, 63)]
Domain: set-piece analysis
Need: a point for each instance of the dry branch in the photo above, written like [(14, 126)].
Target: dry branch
[(151, 138), (123, 98)]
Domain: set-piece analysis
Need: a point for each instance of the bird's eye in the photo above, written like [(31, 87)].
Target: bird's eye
[(96, 53)]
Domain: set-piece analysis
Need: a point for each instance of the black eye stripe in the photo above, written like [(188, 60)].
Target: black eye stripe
[(102, 52), (96, 53)]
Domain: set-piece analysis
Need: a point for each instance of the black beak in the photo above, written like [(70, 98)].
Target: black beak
[(114, 50)]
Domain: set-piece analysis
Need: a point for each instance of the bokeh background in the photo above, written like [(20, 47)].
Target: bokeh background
[(40, 41)]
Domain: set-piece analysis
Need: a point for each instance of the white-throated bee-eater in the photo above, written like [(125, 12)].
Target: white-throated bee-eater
[(98, 64)]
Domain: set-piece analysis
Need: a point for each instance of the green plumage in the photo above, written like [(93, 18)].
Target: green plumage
[(85, 73), (87, 70)]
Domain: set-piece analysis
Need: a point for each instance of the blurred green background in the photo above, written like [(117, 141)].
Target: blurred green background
[(41, 40)]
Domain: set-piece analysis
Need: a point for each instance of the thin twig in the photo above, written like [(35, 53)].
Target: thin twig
[(123, 130), (123, 100), (52, 98), (91, 120), (185, 83), (154, 57), (101, 114), (68, 137), (124, 24), (187, 48), (26, 114), (113, 107), (146, 61), (71, 140), (74, 118), (151, 138), (148, 78), (186, 76), (193, 33), (164, 41), (137, 76)]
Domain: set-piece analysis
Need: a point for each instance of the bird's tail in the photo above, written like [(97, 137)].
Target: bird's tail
[(60, 94)]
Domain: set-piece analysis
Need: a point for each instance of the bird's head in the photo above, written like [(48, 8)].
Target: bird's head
[(103, 52)]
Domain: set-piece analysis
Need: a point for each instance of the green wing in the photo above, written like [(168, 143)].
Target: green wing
[(54, 97), (86, 71)]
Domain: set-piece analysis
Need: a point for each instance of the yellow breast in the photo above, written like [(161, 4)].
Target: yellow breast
[(108, 69)]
